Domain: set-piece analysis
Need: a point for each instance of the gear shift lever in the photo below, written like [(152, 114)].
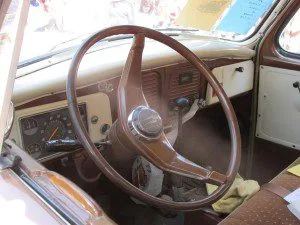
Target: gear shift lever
[(181, 103)]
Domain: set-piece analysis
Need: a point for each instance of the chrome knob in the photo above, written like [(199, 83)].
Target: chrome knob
[(145, 122)]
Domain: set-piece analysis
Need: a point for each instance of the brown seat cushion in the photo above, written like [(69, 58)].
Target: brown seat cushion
[(266, 207)]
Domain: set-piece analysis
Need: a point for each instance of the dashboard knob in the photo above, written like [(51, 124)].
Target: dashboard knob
[(182, 102)]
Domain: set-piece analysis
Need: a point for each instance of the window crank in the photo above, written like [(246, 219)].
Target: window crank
[(297, 85)]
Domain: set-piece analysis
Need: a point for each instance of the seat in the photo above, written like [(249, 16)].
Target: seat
[(266, 207)]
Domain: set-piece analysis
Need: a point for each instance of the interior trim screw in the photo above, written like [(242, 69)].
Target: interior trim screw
[(94, 119)]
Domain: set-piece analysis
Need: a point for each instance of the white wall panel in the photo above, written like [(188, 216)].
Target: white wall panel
[(278, 117)]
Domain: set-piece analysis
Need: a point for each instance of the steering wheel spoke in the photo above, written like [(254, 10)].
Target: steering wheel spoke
[(162, 154), (130, 87)]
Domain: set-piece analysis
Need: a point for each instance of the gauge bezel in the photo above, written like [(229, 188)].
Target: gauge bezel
[(34, 143), (37, 127), (54, 155)]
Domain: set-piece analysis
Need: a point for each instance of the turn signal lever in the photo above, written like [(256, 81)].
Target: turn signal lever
[(62, 145), (67, 145)]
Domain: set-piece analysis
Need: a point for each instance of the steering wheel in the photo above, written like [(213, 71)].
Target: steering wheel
[(142, 127)]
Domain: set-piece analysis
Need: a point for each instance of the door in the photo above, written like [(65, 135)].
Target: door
[(278, 115)]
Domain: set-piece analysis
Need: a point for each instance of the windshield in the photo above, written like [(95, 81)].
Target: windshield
[(54, 25)]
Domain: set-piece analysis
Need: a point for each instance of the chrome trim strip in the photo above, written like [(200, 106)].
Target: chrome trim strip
[(55, 206)]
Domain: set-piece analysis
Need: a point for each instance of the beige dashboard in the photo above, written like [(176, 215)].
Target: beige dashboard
[(38, 80), (40, 89), (97, 107)]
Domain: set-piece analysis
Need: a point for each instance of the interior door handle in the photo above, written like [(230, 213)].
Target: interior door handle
[(297, 85)]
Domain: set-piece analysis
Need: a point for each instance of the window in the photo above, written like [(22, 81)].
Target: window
[(289, 39), (55, 26)]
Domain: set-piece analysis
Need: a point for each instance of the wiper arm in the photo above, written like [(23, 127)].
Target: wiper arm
[(80, 37), (176, 29), (49, 55), (57, 52)]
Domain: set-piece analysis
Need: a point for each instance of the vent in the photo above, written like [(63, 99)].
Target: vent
[(176, 89), (151, 88)]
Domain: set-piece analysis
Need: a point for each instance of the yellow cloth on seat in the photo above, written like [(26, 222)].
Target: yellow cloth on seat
[(295, 170), (240, 191)]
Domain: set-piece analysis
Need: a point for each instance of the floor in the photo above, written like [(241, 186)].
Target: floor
[(270, 159), (207, 142)]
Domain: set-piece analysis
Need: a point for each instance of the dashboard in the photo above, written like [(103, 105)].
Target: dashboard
[(47, 118)]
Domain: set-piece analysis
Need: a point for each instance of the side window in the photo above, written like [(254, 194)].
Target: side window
[(289, 39)]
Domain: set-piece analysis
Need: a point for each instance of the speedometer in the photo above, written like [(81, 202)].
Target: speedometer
[(55, 129)]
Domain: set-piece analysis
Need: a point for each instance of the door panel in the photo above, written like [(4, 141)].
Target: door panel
[(279, 106), (278, 112)]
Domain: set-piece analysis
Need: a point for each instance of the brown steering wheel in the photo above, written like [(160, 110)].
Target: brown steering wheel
[(142, 128)]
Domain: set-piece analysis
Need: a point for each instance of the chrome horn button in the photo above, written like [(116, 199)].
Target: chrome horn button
[(145, 122)]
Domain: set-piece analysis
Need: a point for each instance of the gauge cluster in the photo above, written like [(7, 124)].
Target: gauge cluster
[(52, 125)]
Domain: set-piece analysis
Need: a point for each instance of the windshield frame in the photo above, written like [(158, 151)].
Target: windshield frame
[(8, 74)]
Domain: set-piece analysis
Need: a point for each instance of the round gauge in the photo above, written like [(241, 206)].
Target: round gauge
[(30, 126), (54, 130), (34, 149)]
